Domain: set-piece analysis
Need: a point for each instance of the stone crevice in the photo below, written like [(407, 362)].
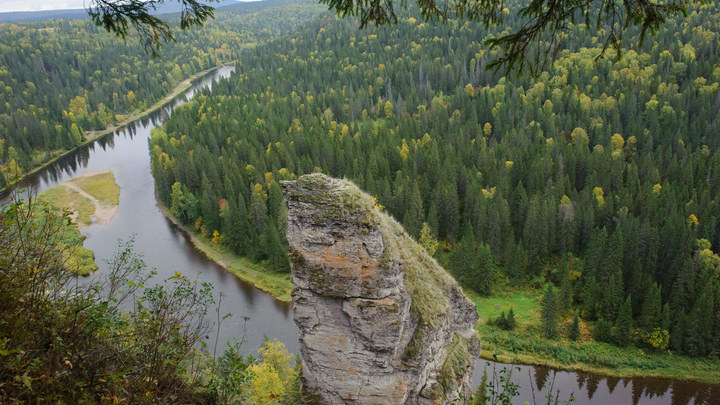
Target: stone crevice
[(352, 303)]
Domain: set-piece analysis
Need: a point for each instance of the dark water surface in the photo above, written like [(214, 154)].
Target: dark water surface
[(589, 388), (168, 249), (164, 247)]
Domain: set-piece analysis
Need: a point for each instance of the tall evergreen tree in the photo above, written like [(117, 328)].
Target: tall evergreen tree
[(486, 274), (651, 308), (575, 328), (623, 324), (549, 314), (603, 331)]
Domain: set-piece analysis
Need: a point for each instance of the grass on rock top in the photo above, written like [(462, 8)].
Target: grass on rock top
[(427, 283)]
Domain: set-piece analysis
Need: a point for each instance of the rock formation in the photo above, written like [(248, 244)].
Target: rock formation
[(380, 321)]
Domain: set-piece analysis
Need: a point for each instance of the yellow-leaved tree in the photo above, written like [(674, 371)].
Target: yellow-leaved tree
[(272, 378), (427, 240)]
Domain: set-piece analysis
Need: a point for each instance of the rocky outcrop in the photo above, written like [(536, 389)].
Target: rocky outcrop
[(380, 321)]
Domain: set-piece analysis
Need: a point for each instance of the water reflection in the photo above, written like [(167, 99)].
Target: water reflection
[(165, 247), (592, 388), (168, 249)]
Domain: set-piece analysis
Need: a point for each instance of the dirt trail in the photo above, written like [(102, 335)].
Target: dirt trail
[(103, 213)]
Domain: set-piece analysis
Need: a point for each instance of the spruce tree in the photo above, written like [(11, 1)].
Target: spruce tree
[(575, 329), (511, 320), (485, 270), (651, 307), (603, 331), (464, 256), (565, 298), (623, 324), (549, 314), (501, 322), (276, 253), (613, 296)]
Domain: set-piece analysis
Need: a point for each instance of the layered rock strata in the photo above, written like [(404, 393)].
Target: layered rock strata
[(380, 321)]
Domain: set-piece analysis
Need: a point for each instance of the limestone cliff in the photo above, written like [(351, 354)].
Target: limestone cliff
[(380, 321)]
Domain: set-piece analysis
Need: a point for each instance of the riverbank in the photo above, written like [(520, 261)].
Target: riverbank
[(92, 197), (95, 135), (277, 285), (524, 345)]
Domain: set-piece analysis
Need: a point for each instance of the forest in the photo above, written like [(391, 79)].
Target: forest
[(64, 80), (595, 183)]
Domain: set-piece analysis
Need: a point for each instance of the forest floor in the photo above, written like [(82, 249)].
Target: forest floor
[(525, 345), (257, 274)]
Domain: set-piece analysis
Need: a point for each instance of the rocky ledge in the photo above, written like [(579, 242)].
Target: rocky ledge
[(380, 321)]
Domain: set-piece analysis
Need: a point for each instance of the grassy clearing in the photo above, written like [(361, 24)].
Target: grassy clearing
[(600, 358), (525, 345), (101, 186), (524, 303), (62, 197)]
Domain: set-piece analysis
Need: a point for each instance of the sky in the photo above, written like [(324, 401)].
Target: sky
[(37, 5)]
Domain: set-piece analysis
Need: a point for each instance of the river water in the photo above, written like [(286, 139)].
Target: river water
[(257, 314)]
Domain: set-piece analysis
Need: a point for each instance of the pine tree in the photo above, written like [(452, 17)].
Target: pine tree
[(623, 324), (549, 314)]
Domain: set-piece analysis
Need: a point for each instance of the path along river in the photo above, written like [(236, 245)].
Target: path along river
[(168, 249)]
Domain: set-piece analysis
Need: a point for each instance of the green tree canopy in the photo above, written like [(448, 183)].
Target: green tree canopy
[(542, 20), (118, 16)]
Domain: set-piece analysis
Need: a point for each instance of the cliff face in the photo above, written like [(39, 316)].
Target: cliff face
[(380, 321)]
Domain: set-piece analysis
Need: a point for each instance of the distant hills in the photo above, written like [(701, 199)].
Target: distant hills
[(79, 14)]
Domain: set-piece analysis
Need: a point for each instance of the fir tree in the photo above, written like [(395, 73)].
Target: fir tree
[(565, 298), (276, 253), (651, 307), (485, 270), (511, 320), (623, 324), (575, 329), (549, 314), (603, 331), (464, 256)]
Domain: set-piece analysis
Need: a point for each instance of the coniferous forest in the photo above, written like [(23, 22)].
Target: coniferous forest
[(63, 80), (587, 195), (599, 177)]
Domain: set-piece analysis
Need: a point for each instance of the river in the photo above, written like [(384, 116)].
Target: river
[(168, 249)]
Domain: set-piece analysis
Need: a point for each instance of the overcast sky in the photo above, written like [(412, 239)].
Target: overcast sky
[(35, 5)]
